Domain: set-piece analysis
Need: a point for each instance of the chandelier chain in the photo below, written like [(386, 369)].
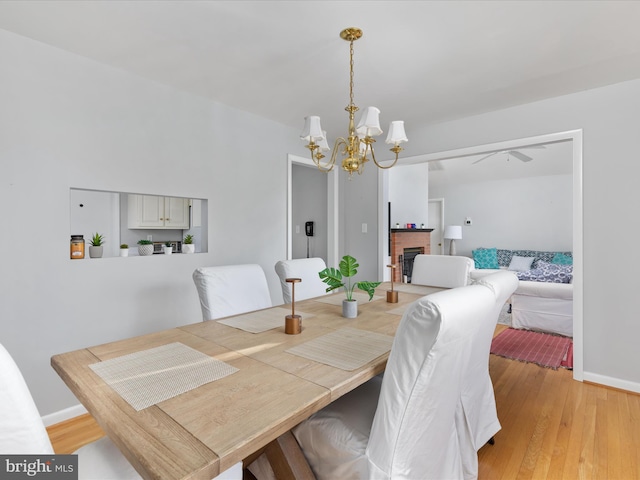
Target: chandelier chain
[(351, 73)]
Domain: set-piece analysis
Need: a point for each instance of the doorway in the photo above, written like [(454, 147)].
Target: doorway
[(331, 210), (309, 212), (575, 137)]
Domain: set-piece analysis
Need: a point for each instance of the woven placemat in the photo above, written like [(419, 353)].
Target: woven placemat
[(346, 348), (338, 298), (150, 376), (262, 320)]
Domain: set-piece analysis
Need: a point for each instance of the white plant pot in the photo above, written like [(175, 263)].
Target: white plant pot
[(145, 250), (124, 252), (95, 252), (188, 248), (349, 308), (168, 250)]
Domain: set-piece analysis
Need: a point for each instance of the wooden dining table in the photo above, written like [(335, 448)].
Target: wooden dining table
[(204, 431)]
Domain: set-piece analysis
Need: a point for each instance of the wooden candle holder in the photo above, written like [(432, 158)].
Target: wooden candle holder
[(392, 295), (293, 322)]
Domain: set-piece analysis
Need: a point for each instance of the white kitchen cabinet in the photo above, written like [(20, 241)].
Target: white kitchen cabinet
[(150, 211)]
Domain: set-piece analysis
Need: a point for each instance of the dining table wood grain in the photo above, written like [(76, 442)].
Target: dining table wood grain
[(202, 432)]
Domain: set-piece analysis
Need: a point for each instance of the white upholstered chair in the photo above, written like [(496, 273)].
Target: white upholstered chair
[(23, 433), (231, 290), (409, 430), (444, 271), (479, 414), (306, 269)]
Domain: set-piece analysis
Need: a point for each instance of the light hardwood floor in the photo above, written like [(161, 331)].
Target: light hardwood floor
[(552, 427)]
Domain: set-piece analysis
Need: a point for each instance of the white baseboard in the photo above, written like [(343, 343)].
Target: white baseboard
[(62, 415), (612, 382)]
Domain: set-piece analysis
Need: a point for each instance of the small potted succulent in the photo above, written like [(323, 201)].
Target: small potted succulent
[(187, 244), (168, 250), (334, 278), (96, 246), (124, 250), (145, 247)]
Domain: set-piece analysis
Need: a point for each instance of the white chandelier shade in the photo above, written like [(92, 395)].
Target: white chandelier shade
[(312, 132), (396, 134), (369, 124), (323, 145)]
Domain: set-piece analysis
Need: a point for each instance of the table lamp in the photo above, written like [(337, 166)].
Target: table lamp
[(293, 322), (453, 233), (392, 295)]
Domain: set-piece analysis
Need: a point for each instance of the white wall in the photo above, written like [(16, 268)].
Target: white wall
[(608, 117), (358, 202), (517, 214), (65, 122), (409, 194), (96, 212)]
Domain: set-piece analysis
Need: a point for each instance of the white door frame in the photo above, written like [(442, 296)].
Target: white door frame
[(442, 222), (574, 136), (332, 209)]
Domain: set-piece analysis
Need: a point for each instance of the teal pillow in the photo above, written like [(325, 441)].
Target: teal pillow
[(562, 259), (485, 258)]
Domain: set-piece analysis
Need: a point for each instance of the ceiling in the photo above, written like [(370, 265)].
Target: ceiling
[(419, 61), (554, 159)]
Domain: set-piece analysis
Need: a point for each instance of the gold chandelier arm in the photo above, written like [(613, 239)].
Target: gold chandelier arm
[(317, 157), (336, 148), (397, 149)]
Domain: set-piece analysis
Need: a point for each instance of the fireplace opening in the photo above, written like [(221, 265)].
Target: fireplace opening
[(406, 260)]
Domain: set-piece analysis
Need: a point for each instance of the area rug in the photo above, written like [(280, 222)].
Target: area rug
[(543, 349)]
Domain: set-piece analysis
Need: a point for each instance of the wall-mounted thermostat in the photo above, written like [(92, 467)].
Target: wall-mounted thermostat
[(467, 221)]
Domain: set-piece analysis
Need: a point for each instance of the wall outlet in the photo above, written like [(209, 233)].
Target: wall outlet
[(150, 238), (364, 228), (297, 228), (467, 221)]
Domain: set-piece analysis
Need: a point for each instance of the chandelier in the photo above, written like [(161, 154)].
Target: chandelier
[(357, 148)]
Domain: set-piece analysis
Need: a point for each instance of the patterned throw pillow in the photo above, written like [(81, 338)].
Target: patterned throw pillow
[(485, 258), (562, 259), (548, 272), (520, 264)]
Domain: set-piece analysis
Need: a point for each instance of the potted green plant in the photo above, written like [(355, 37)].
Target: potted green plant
[(168, 250), (334, 278), (124, 250), (145, 247), (187, 244), (96, 246)]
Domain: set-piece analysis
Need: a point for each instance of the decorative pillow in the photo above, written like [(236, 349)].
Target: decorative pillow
[(548, 272), (520, 264), (485, 258), (562, 259)]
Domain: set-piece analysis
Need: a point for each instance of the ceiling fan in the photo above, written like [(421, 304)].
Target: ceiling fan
[(516, 153)]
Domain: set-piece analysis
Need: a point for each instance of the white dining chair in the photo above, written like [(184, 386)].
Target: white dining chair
[(478, 398), (408, 430), (443, 271), (23, 433), (231, 289), (306, 269)]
